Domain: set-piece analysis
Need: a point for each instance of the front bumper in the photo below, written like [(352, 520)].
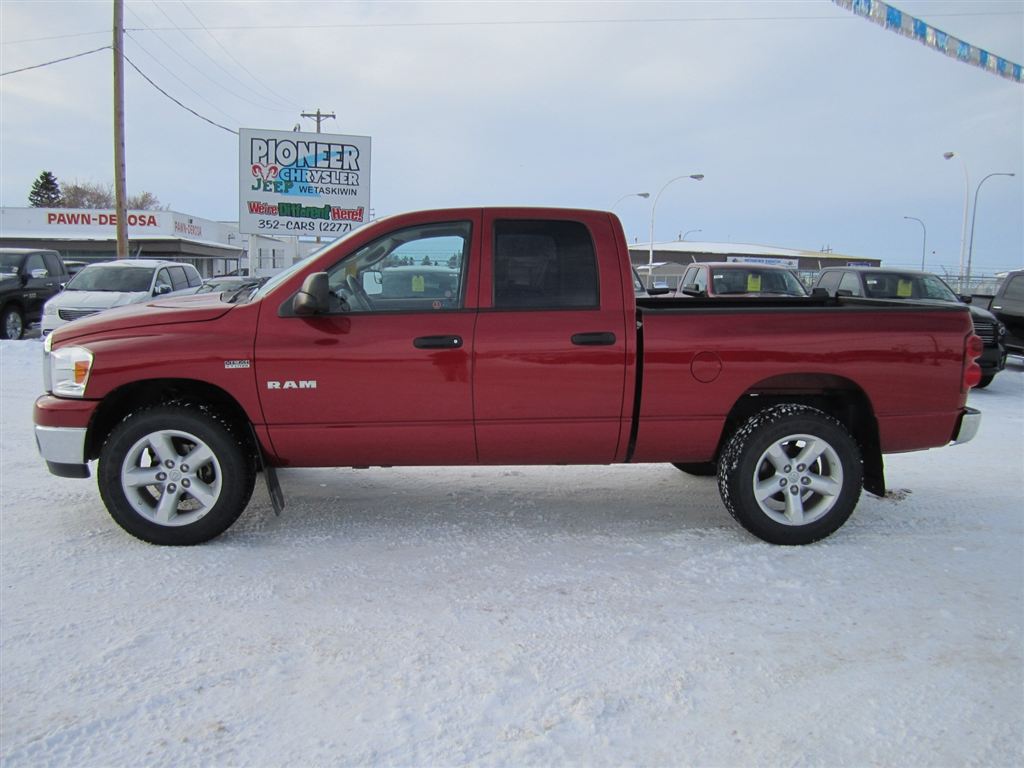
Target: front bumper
[(61, 429), (966, 426), (63, 449)]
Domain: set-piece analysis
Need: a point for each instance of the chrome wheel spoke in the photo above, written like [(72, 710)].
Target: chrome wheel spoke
[(811, 452), (163, 447), (205, 494), (765, 489), (140, 477), (825, 486), (168, 506), (794, 508), (199, 456), (778, 458)]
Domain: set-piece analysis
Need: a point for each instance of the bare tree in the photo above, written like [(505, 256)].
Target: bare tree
[(94, 195)]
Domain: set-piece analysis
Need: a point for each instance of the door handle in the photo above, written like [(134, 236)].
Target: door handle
[(598, 339), (437, 342)]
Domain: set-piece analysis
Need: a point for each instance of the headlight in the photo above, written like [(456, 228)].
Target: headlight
[(69, 369), (50, 308)]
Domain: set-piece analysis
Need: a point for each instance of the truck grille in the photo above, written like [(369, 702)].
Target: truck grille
[(75, 314), (985, 330)]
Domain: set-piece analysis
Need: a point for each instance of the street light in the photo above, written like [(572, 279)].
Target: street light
[(654, 206), (924, 237), (690, 231), (967, 199), (644, 195), (970, 248)]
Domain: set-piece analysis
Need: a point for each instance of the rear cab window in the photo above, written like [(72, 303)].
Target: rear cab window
[(544, 265)]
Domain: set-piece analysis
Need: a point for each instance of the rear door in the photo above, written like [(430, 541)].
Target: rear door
[(550, 350)]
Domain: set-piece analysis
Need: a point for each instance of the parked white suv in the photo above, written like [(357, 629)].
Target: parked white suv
[(116, 283)]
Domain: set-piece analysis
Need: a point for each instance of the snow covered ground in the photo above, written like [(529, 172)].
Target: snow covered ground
[(517, 616)]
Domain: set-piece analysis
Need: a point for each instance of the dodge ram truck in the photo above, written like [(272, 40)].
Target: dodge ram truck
[(491, 336)]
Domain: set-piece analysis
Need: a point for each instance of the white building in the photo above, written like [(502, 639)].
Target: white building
[(89, 235)]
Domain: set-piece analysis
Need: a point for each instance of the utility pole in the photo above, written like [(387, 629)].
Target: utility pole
[(319, 116), (119, 164)]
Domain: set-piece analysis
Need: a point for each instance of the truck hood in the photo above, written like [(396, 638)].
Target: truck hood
[(179, 309)]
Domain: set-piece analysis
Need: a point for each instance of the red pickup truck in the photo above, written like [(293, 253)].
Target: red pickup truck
[(497, 336)]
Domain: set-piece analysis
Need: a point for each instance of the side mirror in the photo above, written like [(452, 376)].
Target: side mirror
[(39, 274), (658, 291), (693, 290), (819, 293), (313, 297), (966, 298), (162, 290), (373, 283)]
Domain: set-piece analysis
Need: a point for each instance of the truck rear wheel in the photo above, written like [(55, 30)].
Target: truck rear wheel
[(174, 475), (791, 474)]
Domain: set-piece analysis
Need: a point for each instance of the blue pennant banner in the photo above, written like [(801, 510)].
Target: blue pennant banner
[(906, 25)]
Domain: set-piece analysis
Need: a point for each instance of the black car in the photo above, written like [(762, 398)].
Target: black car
[(28, 278), (882, 283), (1008, 306)]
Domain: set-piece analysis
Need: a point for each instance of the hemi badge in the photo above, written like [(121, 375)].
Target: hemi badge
[(236, 364)]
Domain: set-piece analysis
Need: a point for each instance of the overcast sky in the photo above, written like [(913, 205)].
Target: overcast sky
[(814, 127)]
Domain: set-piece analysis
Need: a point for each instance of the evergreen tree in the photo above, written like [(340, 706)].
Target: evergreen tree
[(45, 192)]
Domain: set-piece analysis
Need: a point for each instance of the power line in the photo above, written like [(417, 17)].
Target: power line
[(554, 22), (55, 61), (166, 69), (240, 64), (177, 54), (136, 68), (165, 93), (217, 64), (499, 23)]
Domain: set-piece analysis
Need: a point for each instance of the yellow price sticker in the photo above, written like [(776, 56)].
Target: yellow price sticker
[(904, 289), (418, 284), (753, 283)]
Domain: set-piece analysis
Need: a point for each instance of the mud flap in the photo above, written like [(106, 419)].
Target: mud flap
[(269, 476)]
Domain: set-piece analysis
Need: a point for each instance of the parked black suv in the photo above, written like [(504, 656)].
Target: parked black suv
[(1008, 306), (882, 283), (28, 277)]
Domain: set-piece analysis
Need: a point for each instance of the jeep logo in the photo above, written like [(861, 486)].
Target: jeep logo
[(310, 384)]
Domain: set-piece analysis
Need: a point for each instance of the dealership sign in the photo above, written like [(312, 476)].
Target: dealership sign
[(100, 224), (294, 183)]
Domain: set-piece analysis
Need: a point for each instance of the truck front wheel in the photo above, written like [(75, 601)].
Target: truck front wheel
[(12, 323), (791, 474), (174, 475)]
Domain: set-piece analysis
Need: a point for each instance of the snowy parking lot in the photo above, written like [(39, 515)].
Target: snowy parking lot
[(517, 616)]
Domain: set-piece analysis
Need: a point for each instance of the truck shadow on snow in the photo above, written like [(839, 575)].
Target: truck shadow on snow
[(432, 503)]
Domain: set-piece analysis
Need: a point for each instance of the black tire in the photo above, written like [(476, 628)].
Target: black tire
[(829, 484), (152, 492), (12, 323), (698, 469), (985, 381)]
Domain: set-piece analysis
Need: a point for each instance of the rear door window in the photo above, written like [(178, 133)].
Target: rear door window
[(544, 265), (178, 280)]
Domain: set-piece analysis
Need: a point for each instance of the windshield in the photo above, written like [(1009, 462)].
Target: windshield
[(282, 276), (742, 280), (9, 263), (122, 279), (894, 285)]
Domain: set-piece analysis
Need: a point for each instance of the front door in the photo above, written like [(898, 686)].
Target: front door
[(385, 378)]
